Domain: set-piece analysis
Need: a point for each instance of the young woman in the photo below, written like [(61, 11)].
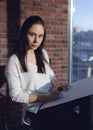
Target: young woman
[(31, 80)]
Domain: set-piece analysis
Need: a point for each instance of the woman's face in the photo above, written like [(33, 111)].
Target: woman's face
[(35, 36)]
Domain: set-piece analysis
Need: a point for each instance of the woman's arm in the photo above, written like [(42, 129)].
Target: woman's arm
[(50, 96), (16, 92)]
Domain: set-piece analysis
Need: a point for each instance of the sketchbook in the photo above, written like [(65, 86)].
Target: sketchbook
[(75, 90)]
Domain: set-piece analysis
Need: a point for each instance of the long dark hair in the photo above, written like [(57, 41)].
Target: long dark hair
[(22, 46)]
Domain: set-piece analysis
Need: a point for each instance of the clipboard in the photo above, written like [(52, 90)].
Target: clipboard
[(75, 90)]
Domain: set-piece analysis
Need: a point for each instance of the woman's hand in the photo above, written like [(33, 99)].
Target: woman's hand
[(62, 87), (56, 84), (52, 95)]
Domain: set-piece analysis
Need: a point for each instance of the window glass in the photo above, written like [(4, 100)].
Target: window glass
[(82, 43)]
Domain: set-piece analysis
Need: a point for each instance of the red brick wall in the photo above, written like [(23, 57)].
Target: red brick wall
[(12, 15)]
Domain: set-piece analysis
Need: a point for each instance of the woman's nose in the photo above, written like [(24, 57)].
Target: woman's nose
[(35, 39)]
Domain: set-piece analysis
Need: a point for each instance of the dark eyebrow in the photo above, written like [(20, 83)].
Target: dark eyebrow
[(34, 33), (31, 33)]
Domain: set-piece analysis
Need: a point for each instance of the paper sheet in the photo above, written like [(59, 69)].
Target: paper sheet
[(78, 89)]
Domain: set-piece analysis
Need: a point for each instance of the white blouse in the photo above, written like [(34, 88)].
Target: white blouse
[(22, 84)]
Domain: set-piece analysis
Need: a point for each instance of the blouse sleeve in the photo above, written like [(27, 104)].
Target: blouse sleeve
[(15, 90), (49, 69)]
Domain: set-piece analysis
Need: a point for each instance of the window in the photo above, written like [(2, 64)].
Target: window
[(81, 39)]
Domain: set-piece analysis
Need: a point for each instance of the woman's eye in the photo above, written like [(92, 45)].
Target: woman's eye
[(35, 35), (31, 34), (40, 36)]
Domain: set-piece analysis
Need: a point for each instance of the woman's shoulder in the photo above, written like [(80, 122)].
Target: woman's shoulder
[(44, 50), (12, 64), (13, 58), (45, 53)]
